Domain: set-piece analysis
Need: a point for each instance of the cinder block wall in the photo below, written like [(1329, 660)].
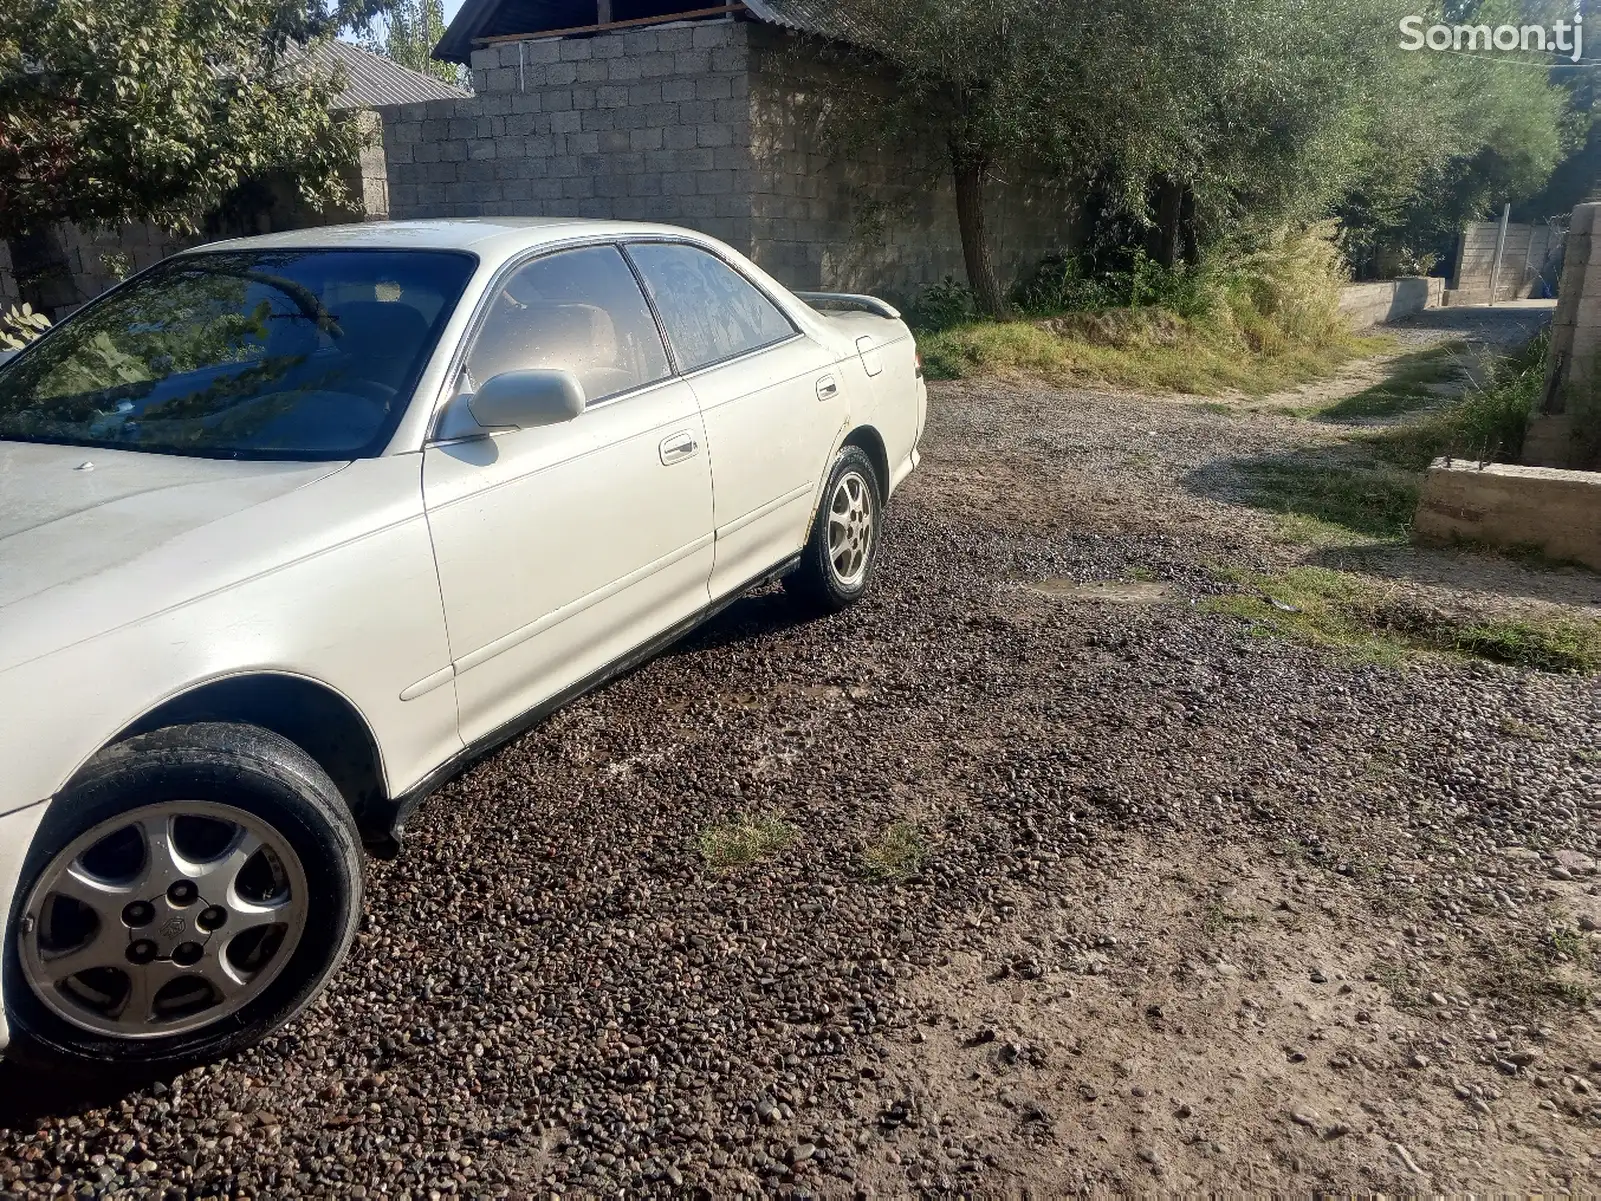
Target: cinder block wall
[(881, 220), (649, 124), (710, 125), (1521, 259), (1566, 429), (98, 259)]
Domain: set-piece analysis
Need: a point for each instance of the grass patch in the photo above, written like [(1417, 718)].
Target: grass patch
[(1169, 354), (1345, 489), (1414, 383), (1485, 424), (1348, 612), (1367, 488), (744, 840), (1529, 974), (898, 853), (1253, 323)]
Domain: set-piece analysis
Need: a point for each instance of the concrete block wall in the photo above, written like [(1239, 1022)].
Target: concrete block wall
[(648, 124), (97, 259), (1558, 512), (710, 125), (1525, 252), (1366, 305), (1566, 430), (878, 220)]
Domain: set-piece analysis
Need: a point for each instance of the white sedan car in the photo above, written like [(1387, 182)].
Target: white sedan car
[(293, 527)]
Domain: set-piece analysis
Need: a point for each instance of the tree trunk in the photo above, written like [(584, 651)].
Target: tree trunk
[(971, 172), (1165, 238), (1189, 235), (44, 274)]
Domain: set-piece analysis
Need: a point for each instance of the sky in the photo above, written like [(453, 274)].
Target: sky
[(451, 8)]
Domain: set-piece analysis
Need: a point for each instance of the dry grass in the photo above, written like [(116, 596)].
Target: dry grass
[(744, 840), (1151, 351), (898, 853)]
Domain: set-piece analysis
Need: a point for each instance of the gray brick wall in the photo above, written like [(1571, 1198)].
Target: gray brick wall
[(707, 125), (648, 125), (879, 221), (99, 258)]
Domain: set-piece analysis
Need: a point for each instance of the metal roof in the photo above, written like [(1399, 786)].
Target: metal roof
[(825, 18), (371, 80), (831, 19)]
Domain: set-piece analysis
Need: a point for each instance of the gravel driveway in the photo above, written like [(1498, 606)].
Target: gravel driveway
[(1181, 908)]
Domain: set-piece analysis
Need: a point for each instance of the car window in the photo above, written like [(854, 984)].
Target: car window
[(577, 310), (298, 354), (711, 311)]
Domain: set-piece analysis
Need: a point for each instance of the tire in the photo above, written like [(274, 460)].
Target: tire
[(239, 847), (835, 572)]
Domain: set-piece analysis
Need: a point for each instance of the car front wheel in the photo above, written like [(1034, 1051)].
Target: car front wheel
[(193, 891)]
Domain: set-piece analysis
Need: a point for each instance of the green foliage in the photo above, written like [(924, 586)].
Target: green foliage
[(19, 326), (1068, 282), (1490, 421), (1252, 322), (1459, 135), (1486, 422), (407, 32), (941, 306), (114, 111), (1258, 114)]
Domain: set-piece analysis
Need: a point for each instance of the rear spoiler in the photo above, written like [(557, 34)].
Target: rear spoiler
[(849, 300)]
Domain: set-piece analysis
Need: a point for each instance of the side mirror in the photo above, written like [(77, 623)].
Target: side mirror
[(523, 399)]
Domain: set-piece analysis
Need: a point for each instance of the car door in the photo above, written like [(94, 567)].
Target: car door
[(563, 547), (771, 398)]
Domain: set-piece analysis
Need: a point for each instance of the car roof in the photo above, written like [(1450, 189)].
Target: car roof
[(489, 237)]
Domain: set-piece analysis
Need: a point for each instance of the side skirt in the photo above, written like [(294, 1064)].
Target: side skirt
[(384, 824)]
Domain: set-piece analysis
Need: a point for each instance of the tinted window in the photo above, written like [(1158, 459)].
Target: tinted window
[(240, 354), (710, 310), (578, 310)]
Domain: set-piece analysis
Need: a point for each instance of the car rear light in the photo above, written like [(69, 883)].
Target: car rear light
[(917, 357)]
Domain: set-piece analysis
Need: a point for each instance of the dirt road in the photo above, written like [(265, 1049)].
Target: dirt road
[(1068, 886)]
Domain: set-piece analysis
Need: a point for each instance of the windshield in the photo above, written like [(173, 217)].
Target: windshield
[(271, 354)]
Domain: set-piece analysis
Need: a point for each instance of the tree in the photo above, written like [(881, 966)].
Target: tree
[(116, 111), (1194, 121), (408, 32)]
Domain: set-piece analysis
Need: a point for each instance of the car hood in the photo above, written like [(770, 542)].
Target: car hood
[(69, 513)]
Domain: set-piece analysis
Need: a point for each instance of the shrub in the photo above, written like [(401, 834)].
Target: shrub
[(1287, 292), (1082, 282), (1487, 424), (941, 306)]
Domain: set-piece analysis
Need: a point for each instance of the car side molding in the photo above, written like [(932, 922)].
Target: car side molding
[(383, 824)]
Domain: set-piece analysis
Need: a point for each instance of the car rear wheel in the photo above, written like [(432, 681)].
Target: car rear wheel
[(840, 556), (192, 892)]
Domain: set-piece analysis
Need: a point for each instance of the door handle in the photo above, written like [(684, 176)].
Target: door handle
[(675, 448), (827, 388)]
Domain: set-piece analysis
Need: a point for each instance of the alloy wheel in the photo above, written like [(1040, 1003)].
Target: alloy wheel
[(163, 919), (850, 529)]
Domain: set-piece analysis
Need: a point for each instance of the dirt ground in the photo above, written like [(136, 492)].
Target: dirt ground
[(1073, 885)]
